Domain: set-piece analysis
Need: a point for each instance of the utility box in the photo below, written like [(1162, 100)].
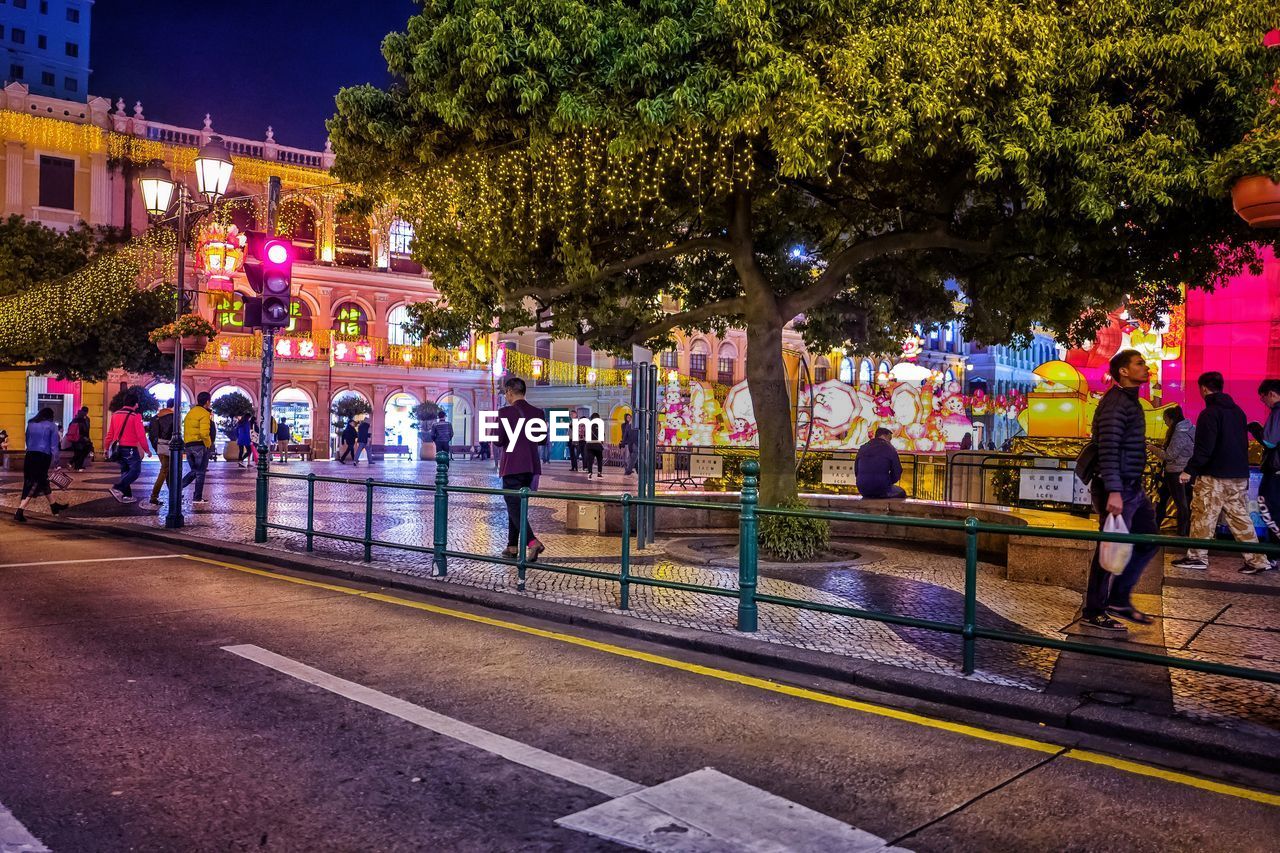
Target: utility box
[(584, 515)]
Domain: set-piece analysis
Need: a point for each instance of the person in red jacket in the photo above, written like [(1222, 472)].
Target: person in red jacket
[(130, 432)]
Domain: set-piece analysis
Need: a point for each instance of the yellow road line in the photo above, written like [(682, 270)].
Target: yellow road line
[(787, 690)]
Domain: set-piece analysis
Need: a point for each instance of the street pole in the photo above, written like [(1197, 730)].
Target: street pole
[(639, 374), (174, 519), (265, 435), (651, 448)]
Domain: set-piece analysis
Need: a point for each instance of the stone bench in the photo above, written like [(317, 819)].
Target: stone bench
[(1027, 559)]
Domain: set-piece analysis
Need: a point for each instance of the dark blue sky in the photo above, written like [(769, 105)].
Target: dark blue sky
[(275, 62)]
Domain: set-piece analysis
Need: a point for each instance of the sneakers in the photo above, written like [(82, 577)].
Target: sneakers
[(590, 476), (121, 496), (1103, 622), (1257, 570), (1130, 614), (1189, 563), (200, 506)]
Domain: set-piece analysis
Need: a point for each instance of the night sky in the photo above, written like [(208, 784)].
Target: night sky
[(158, 53)]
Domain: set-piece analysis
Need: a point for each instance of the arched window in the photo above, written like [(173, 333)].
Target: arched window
[(395, 326), (727, 364), (459, 412), (698, 352), (847, 375), (670, 360), (584, 355), (401, 236), (821, 371), (349, 320), (351, 239), (293, 406), (297, 220), (866, 374), (884, 367)]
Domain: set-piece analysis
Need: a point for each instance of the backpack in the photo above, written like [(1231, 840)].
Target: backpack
[(73, 432), (1087, 462)]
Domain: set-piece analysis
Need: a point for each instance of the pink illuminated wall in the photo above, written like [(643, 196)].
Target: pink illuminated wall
[(1236, 331)]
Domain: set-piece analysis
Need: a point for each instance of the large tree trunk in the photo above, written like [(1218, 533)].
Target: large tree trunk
[(767, 380)]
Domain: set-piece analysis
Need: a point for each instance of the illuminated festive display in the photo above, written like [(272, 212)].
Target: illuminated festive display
[(219, 254)]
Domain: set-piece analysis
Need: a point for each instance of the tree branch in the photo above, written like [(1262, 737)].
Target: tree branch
[(733, 306), (831, 282)]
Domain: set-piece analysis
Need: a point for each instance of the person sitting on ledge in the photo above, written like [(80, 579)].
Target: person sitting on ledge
[(877, 470)]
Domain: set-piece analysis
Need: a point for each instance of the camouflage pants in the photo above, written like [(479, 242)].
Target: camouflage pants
[(1212, 496)]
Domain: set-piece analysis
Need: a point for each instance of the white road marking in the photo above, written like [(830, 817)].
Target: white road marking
[(93, 560), (14, 837), (512, 750), (707, 810)]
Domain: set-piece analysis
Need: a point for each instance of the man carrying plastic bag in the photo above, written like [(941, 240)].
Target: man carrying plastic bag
[(1120, 435)]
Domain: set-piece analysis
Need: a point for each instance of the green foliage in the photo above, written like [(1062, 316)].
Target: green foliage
[(570, 163), (31, 253), (424, 415), (229, 408), (793, 539), (348, 407), (147, 402)]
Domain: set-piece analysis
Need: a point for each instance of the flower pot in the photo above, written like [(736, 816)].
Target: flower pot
[(1257, 200), (194, 343), (167, 345)]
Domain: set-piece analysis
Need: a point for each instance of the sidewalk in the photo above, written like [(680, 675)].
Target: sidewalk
[(1236, 627)]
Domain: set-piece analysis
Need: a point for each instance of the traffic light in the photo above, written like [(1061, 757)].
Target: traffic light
[(269, 268)]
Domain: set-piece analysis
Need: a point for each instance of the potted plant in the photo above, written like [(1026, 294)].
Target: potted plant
[(191, 329), (1252, 167), (424, 415)]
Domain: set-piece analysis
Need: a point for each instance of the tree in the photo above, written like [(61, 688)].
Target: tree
[(230, 408), (424, 415), (615, 171), (148, 405), (93, 309), (348, 407)]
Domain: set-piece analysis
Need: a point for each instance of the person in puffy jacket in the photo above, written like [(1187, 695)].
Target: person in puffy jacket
[(877, 468), (1220, 464), (1178, 445), (1120, 432)]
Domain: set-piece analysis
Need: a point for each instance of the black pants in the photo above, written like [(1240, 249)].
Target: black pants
[(80, 453), (348, 450), (1104, 588), (516, 481), (1269, 504), (575, 451), (1179, 494), (594, 454), (35, 474)]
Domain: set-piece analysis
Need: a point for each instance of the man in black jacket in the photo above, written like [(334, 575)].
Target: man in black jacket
[(1220, 466), (877, 468), (1120, 432)]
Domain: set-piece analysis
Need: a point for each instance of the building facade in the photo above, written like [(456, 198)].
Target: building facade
[(44, 45)]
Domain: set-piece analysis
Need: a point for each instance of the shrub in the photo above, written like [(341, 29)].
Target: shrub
[(792, 539), (229, 408), (147, 402), (349, 407)]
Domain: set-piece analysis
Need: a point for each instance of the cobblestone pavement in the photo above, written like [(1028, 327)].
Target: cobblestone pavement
[(1206, 624)]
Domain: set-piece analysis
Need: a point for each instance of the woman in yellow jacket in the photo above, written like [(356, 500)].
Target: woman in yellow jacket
[(197, 439)]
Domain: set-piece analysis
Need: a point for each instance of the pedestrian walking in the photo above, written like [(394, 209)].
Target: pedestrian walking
[(126, 445), (575, 446), (79, 439), (630, 443), (1120, 437), (1220, 468), (348, 439), (363, 431), (197, 439), (244, 439), (282, 436), (593, 447), (442, 433), (1268, 436), (42, 450), (877, 468), (1179, 443), (520, 466), (160, 433)]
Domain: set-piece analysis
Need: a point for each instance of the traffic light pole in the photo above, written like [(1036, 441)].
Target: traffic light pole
[(174, 519), (265, 435)]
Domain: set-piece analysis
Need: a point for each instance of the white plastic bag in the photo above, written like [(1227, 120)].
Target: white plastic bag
[(1114, 556)]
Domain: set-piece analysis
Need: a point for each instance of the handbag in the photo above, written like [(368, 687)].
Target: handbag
[(60, 479), (1087, 463)]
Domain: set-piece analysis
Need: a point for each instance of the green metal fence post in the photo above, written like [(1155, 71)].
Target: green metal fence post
[(260, 505), (368, 520), (970, 592), (624, 597), (747, 545), (523, 542), (311, 509), (440, 513)]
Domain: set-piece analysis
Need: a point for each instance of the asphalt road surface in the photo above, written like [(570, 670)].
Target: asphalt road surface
[(159, 702)]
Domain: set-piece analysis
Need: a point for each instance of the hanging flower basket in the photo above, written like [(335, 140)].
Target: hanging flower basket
[(1257, 199), (195, 343), (168, 346)]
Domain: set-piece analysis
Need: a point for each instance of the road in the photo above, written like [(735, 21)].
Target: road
[(161, 702)]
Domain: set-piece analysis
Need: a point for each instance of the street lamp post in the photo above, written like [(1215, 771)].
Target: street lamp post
[(213, 175)]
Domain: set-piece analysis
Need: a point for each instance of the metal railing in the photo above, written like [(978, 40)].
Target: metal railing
[(747, 592)]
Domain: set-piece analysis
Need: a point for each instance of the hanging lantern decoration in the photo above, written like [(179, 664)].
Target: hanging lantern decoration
[(224, 351), (627, 376), (219, 254), (407, 356), (482, 352), (464, 352), (591, 376), (673, 375), (500, 361), (537, 368)]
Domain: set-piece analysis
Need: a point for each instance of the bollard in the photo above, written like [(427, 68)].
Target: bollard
[(624, 596), (440, 519), (523, 564), (368, 520), (260, 505), (747, 546), (970, 593), (311, 509)]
